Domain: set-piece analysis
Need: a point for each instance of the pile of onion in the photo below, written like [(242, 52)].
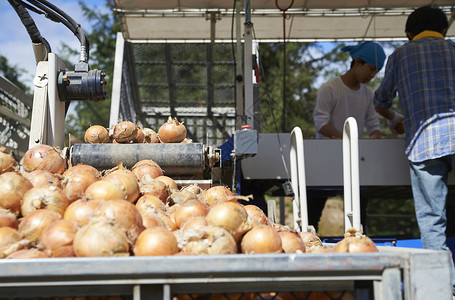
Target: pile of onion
[(96, 134), (172, 131), (44, 157), (355, 242), (261, 239), (125, 132), (7, 161)]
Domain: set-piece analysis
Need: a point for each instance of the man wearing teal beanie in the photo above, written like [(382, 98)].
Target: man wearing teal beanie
[(347, 96)]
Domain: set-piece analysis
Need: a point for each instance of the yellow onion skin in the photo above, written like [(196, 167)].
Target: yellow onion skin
[(230, 216), (150, 136), (125, 132), (310, 240), (150, 186), (255, 214), (96, 134), (124, 215), (170, 183), (43, 177), (127, 182), (49, 197), (155, 241), (218, 194), (7, 162), (81, 211), (100, 238), (291, 242), (172, 131), (79, 167), (194, 223), (8, 237), (188, 210), (144, 167), (104, 190), (57, 235), (151, 219), (13, 186), (150, 202), (74, 185), (8, 219), (27, 253), (261, 239), (43, 157), (35, 222), (208, 240), (355, 245)]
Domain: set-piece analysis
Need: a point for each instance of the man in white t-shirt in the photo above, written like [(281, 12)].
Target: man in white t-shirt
[(349, 96)]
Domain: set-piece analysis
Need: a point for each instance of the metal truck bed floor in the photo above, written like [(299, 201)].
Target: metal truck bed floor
[(393, 273)]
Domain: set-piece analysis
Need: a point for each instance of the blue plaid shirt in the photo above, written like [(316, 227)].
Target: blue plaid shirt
[(422, 72)]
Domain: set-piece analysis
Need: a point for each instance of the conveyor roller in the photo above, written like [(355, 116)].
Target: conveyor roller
[(179, 159)]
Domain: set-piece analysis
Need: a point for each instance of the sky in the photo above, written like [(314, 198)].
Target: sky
[(16, 45)]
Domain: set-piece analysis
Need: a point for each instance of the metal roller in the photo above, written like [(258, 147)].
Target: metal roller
[(181, 159)]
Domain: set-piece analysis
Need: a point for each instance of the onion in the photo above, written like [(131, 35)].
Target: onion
[(218, 194), (255, 214), (170, 183), (35, 222), (189, 209), (7, 162), (211, 240), (125, 132), (140, 137), (151, 219), (193, 188), (124, 215), (143, 167), (13, 186), (187, 141), (355, 242), (261, 239), (172, 131), (150, 136), (43, 157), (291, 242), (8, 237), (155, 241), (81, 211), (196, 222), (79, 167), (150, 202), (43, 177), (310, 240), (127, 182), (104, 190), (178, 197), (57, 237), (100, 238), (149, 186), (49, 197), (170, 224), (27, 253), (96, 134), (231, 216), (8, 219), (75, 184)]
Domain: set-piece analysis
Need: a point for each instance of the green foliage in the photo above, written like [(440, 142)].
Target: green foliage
[(102, 52), (12, 73)]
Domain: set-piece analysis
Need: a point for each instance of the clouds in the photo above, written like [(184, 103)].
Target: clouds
[(16, 45)]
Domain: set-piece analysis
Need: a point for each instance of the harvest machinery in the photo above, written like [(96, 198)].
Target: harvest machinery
[(392, 273)]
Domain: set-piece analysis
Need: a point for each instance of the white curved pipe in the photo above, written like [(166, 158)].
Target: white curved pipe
[(298, 181), (351, 175)]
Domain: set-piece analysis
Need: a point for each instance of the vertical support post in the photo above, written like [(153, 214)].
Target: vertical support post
[(351, 175), (40, 111), (248, 65), (117, 80), (298, 181), (56, 136), (239, 78), (143, 292)]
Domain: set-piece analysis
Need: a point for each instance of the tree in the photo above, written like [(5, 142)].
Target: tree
[(12, 73), (102, 52)]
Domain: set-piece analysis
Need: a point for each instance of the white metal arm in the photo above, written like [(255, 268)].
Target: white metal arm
[(298, 182), (351, 175)]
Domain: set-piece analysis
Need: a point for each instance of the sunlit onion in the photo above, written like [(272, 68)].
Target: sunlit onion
[(75, 184), (170, 183), (104, 190), (96, 134), (170, 224), (154, 187), (81, 211), (172, 131), (100, 238), (8, 219), (255, 214), (79, 167), (261, 239), (218, 194), (43, 157), (178, 197), (146, 167), (230, 216), (140, 137), (13, 186), (155, 241), (35, 222), (49, 197), (8, 237), (7, 162), (123, 214), (125, 132), (291, 242), (355, 242), (194, 223), (189, 209), (310, 240), (27, 253), (126, 181), (150, 202), (43, 177), (208, 240), (151, 219), (150, 136), (59, 234)]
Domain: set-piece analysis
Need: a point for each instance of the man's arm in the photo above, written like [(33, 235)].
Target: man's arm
[(330, 132)]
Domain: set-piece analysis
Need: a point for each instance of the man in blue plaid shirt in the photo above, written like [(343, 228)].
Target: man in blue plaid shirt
[(422, 72)]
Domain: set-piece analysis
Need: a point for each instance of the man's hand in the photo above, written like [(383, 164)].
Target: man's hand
[(396, 123)]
